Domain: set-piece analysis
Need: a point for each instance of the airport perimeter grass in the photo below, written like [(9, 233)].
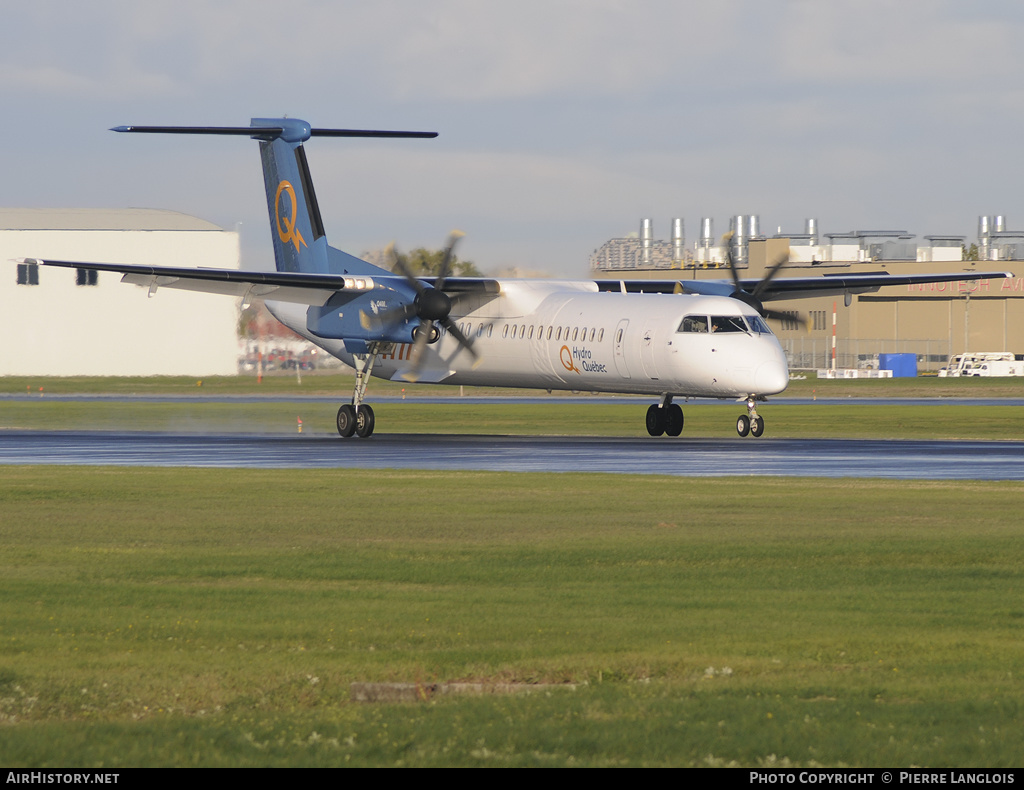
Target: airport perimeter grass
[(217, 617), (554, 418), (339, 384), (284, 406)]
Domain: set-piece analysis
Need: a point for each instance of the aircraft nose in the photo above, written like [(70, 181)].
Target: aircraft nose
[(771, 377)]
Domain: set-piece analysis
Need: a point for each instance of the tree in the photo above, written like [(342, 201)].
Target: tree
[(426, 262)]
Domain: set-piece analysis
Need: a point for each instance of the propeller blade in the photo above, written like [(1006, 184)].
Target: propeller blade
[(446, 262), (727, 243), (780, 263), (464, 341), (397, 262), (419, 346)]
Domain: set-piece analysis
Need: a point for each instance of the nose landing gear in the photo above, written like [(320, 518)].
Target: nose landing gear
[(750, 423)]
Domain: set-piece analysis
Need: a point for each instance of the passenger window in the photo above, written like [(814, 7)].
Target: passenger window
[(600, 336), (504, 331)]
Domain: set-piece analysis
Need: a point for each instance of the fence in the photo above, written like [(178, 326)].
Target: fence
[(811, 353)]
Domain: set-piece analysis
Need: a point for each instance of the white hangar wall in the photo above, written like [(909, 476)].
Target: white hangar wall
[(60, 328)]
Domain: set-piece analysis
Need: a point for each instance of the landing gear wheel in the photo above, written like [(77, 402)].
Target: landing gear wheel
[(364, 421), (346, 420), (673, 419), (743, 425), (655, 420), (757, 426)]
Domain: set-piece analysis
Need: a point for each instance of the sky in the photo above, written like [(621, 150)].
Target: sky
[(561, 123)]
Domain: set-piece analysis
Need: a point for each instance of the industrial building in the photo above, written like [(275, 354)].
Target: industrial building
[(65, 322), (932, 322)]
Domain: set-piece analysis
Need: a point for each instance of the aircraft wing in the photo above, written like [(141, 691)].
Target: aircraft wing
[(841, 284), (796, 287), (301, 288)]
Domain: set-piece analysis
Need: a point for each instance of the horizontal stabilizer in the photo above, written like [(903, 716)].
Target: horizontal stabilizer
[(268, 131)]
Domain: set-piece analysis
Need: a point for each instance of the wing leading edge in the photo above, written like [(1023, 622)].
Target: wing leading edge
[(796, 287), (298, 287)]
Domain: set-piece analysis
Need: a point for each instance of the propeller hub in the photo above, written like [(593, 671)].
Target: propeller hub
[(433, 305), (747, 298)]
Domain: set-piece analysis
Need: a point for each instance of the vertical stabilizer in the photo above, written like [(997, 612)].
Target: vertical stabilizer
[(296, 228)]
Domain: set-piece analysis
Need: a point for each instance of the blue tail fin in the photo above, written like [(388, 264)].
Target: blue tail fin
[(296, 229)]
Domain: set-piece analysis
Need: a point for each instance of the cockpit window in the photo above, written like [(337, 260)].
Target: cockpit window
[(758, 325), (724, 323), (728, 323), (694, 323)]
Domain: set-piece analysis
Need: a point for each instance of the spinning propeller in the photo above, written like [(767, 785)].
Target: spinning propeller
[(431, 306), (753, 298)]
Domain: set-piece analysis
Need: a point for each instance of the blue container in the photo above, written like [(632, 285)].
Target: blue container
[(903, 366)]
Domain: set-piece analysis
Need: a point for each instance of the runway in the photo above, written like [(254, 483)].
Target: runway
[(895, 459)]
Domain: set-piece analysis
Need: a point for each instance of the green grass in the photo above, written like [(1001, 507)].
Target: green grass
[(814, 420), (217, 617), (331, 383)]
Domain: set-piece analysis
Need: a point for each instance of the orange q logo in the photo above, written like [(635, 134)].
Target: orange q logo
[(286, 225), (565, 355)]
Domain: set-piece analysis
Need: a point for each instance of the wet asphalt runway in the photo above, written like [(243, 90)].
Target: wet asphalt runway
[(896, 459)]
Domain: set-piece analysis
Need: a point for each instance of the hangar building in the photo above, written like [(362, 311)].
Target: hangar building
[(66, 322), (932, 322)]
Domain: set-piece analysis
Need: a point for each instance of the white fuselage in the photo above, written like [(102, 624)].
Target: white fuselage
[(567, 336)]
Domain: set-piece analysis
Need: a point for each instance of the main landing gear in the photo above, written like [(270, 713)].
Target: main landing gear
[(665, 418), (355, 420), (357, 417), (750, 423)]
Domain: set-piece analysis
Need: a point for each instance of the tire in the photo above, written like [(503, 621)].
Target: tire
[(364, 421), (346, 420), (655, 420), (673, 419), (757, 426), (743, 425)]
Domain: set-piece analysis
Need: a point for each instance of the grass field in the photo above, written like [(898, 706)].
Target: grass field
[(813, 420), (284, 407), (339, 384), (217, 617)]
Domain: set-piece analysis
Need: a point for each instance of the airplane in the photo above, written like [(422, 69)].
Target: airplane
[(667, 339)]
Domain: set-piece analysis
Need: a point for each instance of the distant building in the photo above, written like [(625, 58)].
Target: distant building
[(933, 321), (65, 322)]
